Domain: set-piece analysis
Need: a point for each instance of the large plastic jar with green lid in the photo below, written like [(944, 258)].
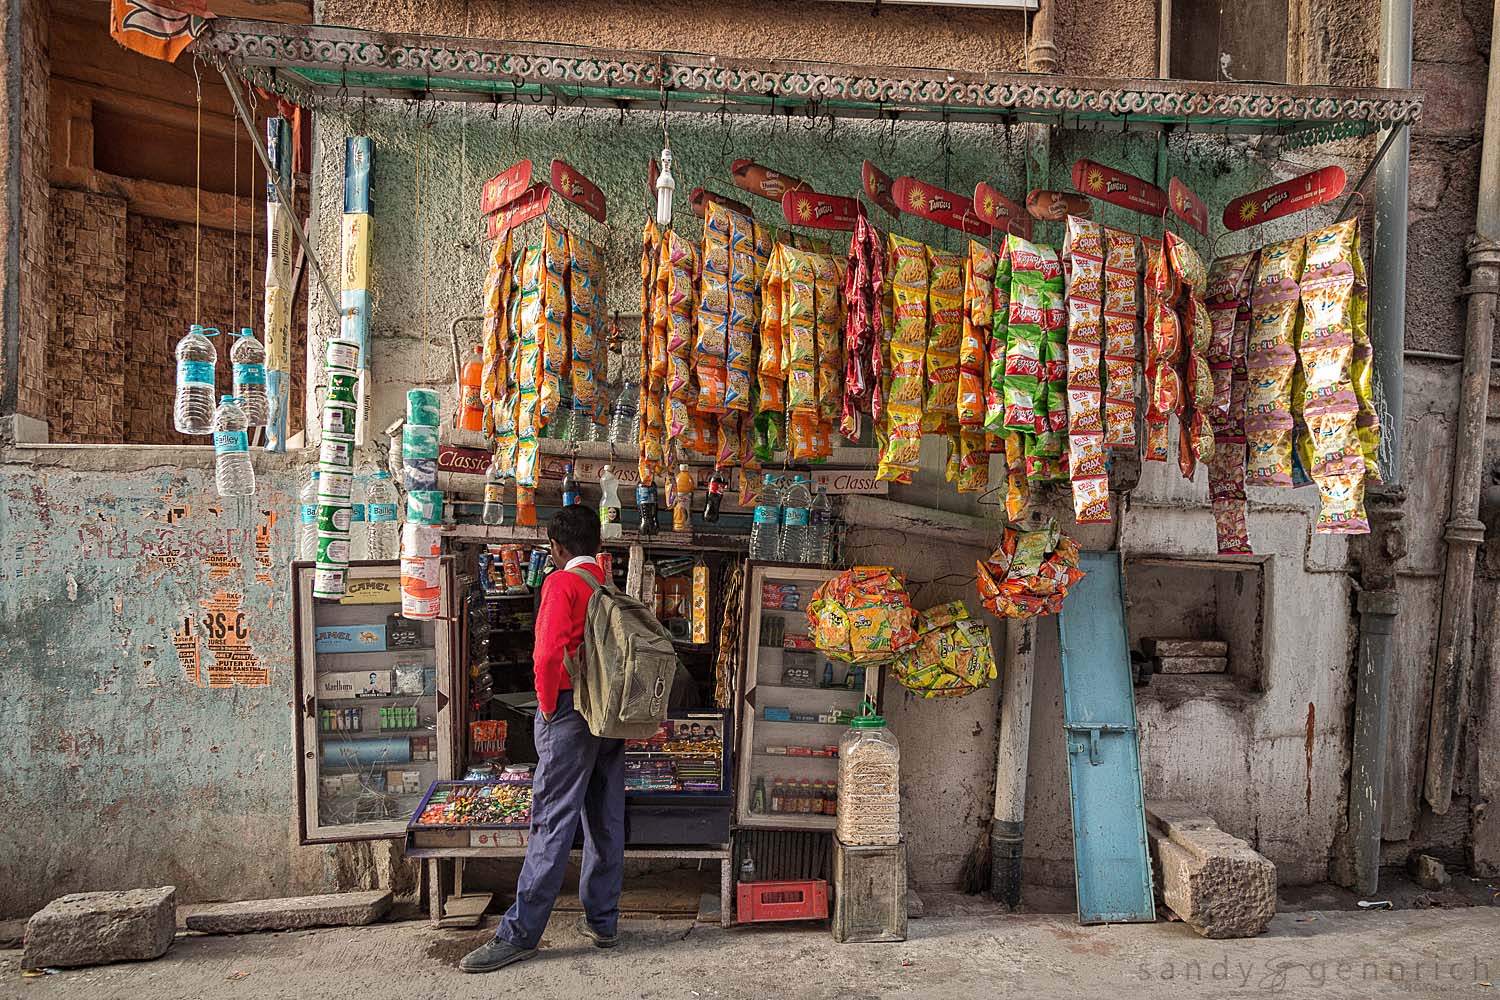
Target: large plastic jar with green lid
[(869, 809)]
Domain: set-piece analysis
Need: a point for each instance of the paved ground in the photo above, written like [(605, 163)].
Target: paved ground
[(977, 953)]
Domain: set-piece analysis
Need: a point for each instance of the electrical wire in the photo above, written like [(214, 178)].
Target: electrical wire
[(197, 188)]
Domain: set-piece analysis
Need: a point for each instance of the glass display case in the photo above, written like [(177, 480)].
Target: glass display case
[(373, 700), (795, 705)]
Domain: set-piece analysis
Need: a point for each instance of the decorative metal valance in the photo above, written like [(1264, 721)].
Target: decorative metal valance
[(313, 64)]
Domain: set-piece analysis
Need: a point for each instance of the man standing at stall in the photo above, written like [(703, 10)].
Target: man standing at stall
[(579, 776)]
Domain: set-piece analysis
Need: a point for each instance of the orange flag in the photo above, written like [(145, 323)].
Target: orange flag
[(155, 29)]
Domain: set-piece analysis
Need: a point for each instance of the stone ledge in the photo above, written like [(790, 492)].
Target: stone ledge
[(1212, 880), (95, 928), (339, 909)]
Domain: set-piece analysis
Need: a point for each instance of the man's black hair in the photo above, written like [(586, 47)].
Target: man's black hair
[(576, 530)]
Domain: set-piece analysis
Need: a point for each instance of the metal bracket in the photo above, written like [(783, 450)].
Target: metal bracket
[(1093, 744)]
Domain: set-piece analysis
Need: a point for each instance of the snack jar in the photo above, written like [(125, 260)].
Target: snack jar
[(869, 794)]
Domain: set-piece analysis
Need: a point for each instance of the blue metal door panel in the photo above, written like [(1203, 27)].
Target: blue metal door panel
[(1110, 854)]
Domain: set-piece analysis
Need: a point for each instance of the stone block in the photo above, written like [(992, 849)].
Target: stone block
[(337, 909), (1213, 881), (1165, 648), (95, 928), (1192, 665), (1428, 872)]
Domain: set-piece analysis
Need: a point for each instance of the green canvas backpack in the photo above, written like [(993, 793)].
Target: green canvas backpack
[(622, 672)]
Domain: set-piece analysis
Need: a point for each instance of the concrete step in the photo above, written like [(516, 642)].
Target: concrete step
[(338, 909)]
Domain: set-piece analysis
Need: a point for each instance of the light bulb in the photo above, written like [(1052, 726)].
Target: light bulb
[(665, 186)]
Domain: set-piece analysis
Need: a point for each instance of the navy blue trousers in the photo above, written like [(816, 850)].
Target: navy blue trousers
[(579, 777)]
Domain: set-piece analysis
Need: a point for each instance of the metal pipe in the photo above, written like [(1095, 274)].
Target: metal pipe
[(1041, 52), (1377, 627), (1008, 827), (1464, 531)]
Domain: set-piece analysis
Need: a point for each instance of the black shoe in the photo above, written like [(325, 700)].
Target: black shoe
[(494, 954), (600, 940)]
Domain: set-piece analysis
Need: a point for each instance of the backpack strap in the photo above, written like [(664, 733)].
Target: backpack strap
[(594, 585)]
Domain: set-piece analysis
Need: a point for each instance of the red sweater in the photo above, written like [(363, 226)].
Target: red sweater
[(559, 631)]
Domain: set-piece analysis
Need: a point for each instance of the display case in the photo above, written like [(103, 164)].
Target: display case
[(794, 706), (375, 720), (678, 782)]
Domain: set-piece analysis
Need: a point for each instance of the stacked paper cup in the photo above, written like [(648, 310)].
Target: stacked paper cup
[(421, 542), (336, 469)]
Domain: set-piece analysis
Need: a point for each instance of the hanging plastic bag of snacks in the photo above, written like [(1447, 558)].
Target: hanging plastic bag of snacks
[(863, 615), (1030, 573), (1272, 360), (953, 656), (1228, 300), (907, 281), (1083, 255)]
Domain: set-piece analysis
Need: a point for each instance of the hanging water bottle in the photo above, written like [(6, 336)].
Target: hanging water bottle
[(764, 531), (307, 540), (818, 550), (622, 416), (383, 535), (233, 474), (249, 359), (794, 520), (494, 495), (193, 408), (357, 534)]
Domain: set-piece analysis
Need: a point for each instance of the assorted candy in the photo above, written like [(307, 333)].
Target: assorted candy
[(505, 803)]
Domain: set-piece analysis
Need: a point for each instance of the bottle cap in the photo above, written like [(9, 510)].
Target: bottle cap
[(245, 331), (683, 467), (315, 474)]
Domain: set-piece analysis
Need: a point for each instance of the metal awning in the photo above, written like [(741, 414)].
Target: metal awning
[(315, 64)]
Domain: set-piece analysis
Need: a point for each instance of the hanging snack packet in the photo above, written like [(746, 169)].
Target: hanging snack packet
[(908, 279), (994, 389), (1083, 259), (1035, 312), (495, 334), (771, 368), (799, 330), (863, 615), (864, 282), (1228, 300), (945, 314), (555, 331), (1030, 573), (585, 329), (1271, 360), (1121, 264), (828, 325), (1017, 487), (651, 407), (978, 318), (1162, 340), (952, 656)]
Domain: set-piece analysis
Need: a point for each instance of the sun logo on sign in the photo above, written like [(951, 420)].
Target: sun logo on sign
[(1095, 180), (1248, 211), (804, 210), (917, 199), (989, 205)]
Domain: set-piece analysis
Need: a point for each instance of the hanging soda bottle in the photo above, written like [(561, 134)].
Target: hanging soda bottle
[(682, 502), (494, 494), (525, 506), (609, 503), (715, 498), (646, 504), (570, 491), (471, 407)]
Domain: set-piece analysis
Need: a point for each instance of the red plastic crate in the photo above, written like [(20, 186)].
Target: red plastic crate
[(758, 902)]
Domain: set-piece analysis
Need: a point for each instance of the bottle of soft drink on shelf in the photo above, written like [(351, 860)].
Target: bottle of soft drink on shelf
[(571, 495), (682, 501), (646, 502), (248, 356), (714, 496), (622, 415), (794, 508), (494, 495), (357, 536), (383, 534), (609, 503), (819, 540), (233, 474), (307, 539), (525, 506), (193, 407), (766, 529)]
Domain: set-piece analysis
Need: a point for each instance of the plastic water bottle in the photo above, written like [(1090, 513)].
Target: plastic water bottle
[(233, 474), (248, 356), (494, 495), (622, 416), (307, 540), (380, 518), (609, 504), (794, 510), (357, 534), (818, 550), (766, 528), (193, 408)]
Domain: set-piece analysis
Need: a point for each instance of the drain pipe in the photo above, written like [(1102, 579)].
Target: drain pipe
[(1008, 827), (1464, 531)]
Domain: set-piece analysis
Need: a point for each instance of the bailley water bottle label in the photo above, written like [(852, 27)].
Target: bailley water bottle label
[(309, 513), (228, 442), (766, 515), (195, 373), (793, 517), (245, 374), (381, 511), (357, 512)]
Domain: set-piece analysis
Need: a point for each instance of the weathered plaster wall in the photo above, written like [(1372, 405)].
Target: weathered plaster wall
[(128, 762)]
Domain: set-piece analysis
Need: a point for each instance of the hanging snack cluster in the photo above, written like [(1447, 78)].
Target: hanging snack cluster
[(1030, 573), (863, 615), (952, 656)]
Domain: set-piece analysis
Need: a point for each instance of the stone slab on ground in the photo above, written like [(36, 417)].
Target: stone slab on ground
[(336, 909), (1215, 882), (1192, 665), (96, 928), (1428, 872), (1184, 647)]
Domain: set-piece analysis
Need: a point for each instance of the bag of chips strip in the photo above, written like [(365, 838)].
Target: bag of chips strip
[(1030, 573), (1036, 272), (494, 370), (978, 318), (864, 281), (1121, 264), (1228, 301), (585, 336), (532, 315), (554, 353), (863, 615), (945, 315), (952, 656), (1083, 261), (651, 408), (908, 279), (994, 390), (1271, 361), (828, 326)]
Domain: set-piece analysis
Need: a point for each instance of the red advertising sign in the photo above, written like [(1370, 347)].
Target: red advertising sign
[(936, 205), (1118, 188), (819, 211), (698, 200), (1285, 198), (525, 208), (464, 461), (1000, 212), (1187, 206), (762, 180), (505, 187), (1055, 206), (878, 188), (572, 185)]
